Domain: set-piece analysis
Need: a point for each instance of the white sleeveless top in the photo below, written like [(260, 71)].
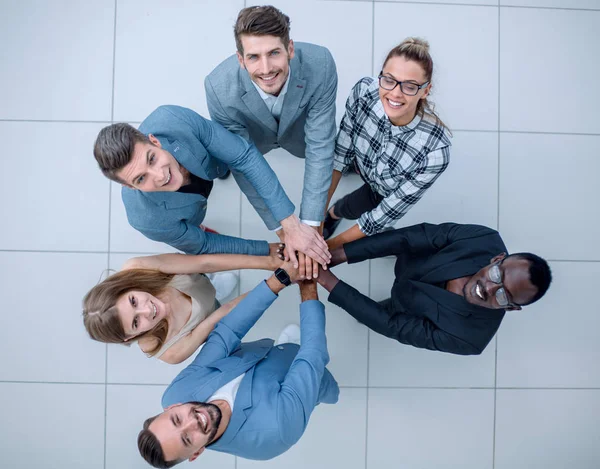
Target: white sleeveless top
[(202, 293)]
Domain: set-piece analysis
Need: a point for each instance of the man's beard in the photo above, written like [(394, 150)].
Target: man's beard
[(215, 418)]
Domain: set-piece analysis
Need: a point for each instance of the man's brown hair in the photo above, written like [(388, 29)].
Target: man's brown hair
[(150, 448), (114, 146), (262, 21)]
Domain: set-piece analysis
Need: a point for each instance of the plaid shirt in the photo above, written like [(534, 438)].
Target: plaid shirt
[(399, 162)]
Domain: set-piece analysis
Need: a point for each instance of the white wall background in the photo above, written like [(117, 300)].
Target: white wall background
[(517, 81)]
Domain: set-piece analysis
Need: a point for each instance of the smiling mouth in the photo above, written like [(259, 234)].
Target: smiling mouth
[(202, 421), (168, 178), (269, 78), (479, 291), (153, 309), (394, 104)]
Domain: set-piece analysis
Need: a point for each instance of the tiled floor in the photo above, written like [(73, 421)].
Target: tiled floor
[(517, 82)]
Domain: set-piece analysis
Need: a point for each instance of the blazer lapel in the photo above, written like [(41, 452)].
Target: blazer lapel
[(293, 97), (241, 408), (255, 104)]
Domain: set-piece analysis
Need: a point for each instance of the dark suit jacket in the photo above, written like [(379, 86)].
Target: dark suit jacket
[(422, 313)]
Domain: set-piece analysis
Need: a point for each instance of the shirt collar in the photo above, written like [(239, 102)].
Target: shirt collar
[(282, 93)]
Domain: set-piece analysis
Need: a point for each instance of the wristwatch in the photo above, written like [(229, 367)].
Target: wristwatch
[(283, 277)]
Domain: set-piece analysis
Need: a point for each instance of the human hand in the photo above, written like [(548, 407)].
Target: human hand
[(327, 280), (291, 270), (276, 254), (309, 268), (303, 238)]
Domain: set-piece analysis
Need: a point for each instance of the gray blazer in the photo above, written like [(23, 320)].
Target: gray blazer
[(307, 125)]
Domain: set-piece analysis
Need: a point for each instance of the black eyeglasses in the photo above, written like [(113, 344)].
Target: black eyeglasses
[(495, 275), (407, 87)]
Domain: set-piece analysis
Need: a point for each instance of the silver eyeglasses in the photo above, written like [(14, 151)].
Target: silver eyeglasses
[(495, 275), (407, 87)]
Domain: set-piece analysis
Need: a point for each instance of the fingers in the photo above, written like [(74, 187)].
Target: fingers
[(309, 267), (291, 255), (319, 255), (280, 251), (302, 265), (315, 266)]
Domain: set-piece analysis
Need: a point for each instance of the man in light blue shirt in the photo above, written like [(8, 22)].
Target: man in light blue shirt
[(166, 169), (254, 399)]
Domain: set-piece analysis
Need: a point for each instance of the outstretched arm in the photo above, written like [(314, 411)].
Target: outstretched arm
[(207, 263), (412, 330), (306, 382), (230, 330)]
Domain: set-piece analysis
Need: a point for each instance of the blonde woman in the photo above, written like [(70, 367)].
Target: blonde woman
[(165, 303), (392, 137)]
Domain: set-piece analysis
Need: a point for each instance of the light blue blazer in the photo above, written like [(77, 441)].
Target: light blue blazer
[(306, 127), (205, 149), (282, 386)]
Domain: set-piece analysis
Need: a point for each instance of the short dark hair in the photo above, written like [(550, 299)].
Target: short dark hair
[(262, 21), (540, 274), (150, 448), (114, 148)]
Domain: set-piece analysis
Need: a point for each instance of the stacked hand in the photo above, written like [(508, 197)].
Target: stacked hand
[(277, 254), (312, 248)]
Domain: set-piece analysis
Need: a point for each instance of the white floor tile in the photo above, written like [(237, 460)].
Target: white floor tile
[(164, 51), (126, 410), (346, 338), (548, 195), (57, 60), (554, 343), (54, 196), (42, 297), (430, 428), (467, 192), (530, 83), (464, 46), (335, 437), (553, 429), (394, 364), (349, 41), (570, 4), (52, 425)]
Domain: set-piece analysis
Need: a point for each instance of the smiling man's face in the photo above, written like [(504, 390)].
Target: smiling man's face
[(152, 169), (267, 61), (184, 430), (481, 290)]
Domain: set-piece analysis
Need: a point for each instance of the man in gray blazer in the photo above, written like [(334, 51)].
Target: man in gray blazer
[(275, 93)]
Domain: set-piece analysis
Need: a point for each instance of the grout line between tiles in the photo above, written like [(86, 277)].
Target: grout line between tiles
[(526, 132), (57, 121), (489, 5), (497, 229), (373, 38), (367, 396), (440, 388), (112, 119), (525, 7), (437, 3)]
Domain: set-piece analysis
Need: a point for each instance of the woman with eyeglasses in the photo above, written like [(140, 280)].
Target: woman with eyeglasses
[(391, 135), (166, 303)]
